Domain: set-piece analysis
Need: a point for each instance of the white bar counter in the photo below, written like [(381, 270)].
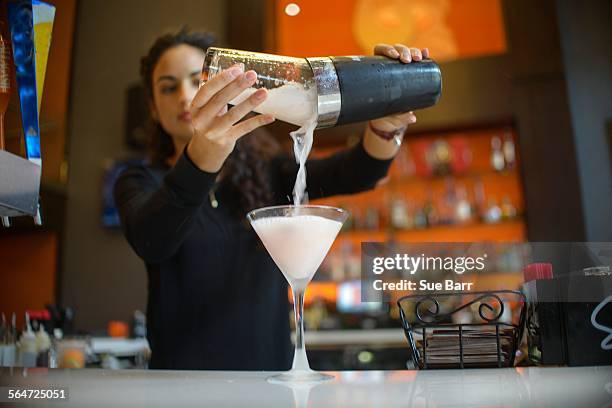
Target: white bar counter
[(507, 387)]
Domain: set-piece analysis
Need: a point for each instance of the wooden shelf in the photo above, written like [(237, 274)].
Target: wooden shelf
[(506, 231), (415, 191), (364, 235), (468, 175)]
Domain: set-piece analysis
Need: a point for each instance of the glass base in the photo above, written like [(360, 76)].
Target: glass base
[(300, 377)]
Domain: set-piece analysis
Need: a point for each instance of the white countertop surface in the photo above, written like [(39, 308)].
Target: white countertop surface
[(576, 387)]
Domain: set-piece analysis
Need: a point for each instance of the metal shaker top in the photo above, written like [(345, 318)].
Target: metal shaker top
[(329, 100)]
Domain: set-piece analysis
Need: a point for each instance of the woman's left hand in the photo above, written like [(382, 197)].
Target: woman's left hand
[(406, 55), (383, 136)]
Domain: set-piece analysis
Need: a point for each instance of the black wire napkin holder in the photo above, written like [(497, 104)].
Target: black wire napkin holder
[(434, 320)]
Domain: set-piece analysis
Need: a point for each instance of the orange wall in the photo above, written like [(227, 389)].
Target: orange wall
[(28, 265), (452, 29)]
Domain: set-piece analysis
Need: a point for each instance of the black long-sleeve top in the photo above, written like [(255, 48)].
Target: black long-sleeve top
[(216, 300)]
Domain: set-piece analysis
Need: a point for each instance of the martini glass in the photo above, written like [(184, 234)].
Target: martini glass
[(298, 239)]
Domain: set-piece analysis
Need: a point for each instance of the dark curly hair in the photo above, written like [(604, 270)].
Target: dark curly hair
[(159, 141), (245, 175)]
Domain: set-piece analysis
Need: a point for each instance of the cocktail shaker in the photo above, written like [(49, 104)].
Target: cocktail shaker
[(333, 90)]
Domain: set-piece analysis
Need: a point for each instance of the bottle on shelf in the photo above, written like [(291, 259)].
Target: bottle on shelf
[(479, 199), (498, 162), (446, 206), (139, 324), (429, 209), (384, 207), (399, 217), (508, 209), (420, 218), (352, 261), (509, 150), (8, 358), (410, 209), (463, 207), (43, 347), (336, 266), (494, 212), (462, 156), (357, 221), (372, 218), (27, 345), (442, 157)]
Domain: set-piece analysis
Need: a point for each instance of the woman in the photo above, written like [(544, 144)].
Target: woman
[(216, 298)]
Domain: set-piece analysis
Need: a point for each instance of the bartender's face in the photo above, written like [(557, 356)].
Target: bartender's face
[(176, 78)]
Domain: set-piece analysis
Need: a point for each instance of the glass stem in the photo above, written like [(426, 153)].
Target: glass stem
[(300, 360)]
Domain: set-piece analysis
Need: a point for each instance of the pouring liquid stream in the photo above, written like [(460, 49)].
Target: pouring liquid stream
[(295, 104)]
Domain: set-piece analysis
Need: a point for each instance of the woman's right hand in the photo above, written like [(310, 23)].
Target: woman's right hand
[(216, 129)]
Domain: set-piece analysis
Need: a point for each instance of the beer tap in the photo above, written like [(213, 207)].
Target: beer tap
[(5, 92)]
